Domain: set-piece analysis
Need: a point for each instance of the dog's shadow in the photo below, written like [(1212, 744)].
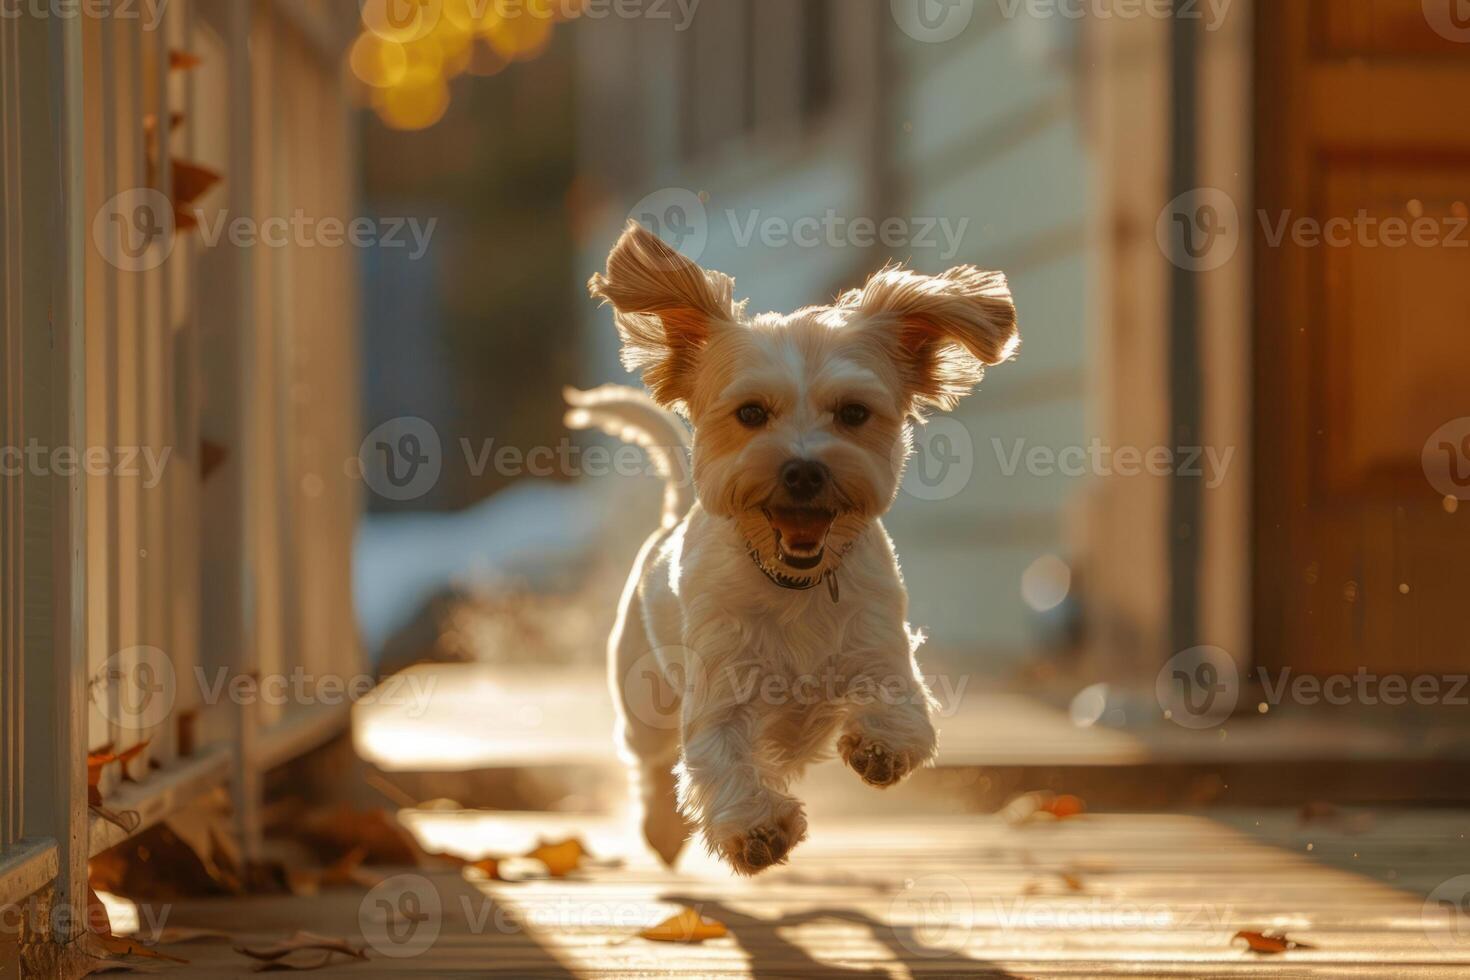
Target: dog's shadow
[(773, 955)]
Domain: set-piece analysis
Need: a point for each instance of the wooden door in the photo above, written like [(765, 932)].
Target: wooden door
[(1362, 335)]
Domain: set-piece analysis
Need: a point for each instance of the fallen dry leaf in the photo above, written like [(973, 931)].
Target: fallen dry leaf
[(1042, 805), (1269, 943), (302, 940), (97, 918), (1065, 805), (158, 864), (109, 946), (561, 858), (125, 820), (685, 926), (177, 935), (335, 831), (104, 757), (489, 867), (190, 182)]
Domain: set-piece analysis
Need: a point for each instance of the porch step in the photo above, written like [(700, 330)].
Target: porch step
[(537, 739)]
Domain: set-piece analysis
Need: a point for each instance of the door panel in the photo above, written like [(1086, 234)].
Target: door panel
[(1362, 335)]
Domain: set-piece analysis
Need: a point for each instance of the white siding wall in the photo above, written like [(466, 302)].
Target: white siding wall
[(989, 132)]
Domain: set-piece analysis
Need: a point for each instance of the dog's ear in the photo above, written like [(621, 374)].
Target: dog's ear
[(942, 330), (666, 309)]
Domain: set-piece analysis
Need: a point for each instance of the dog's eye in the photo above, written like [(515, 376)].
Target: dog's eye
[(752, 415), (853, 414)]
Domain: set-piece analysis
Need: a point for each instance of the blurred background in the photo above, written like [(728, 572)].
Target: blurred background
[(1198, 544)]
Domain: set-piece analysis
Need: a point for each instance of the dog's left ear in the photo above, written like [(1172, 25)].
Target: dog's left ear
[(667, 309), (943, 330)]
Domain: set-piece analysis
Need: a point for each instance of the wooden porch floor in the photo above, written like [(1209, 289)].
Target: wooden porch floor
[(913, 896)]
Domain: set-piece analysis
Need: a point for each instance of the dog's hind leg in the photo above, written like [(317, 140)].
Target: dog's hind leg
[(648, 707)]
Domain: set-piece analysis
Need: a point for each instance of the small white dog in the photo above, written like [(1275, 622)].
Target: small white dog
[(772, 605)]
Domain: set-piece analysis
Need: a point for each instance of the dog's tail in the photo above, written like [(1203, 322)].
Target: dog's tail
[(633, 417)]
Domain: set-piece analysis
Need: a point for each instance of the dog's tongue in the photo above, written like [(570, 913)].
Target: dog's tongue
[(801, 528)]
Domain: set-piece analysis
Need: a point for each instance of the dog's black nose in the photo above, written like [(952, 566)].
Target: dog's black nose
[(803, 478)]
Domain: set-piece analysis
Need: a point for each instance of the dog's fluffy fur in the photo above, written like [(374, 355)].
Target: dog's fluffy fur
[(802, 424)]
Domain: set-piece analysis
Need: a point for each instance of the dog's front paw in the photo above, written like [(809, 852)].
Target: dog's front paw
[(759, 847), (871, 759)]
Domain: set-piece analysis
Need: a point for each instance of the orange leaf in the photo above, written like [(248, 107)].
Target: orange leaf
[(685, 926), (1065, 805), (183, 60), (103, 757), (211, 454), (560, 858), (489, 867), (1268, 943), (191, 180), (184, 934), (1027, 807)]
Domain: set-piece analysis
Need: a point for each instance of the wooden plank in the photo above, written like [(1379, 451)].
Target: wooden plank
[(25, 869), (918, 895), (141, 805)]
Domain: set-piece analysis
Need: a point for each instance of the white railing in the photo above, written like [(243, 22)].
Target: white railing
[(205, 542)]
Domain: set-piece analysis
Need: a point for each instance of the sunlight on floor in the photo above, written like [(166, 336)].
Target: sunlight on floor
[(446, 717)]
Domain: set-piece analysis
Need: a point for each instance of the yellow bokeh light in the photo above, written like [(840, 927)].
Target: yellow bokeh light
[(417, 102), (425, 58), (464, 16), (455, 51), (378, 62), (521, 36)]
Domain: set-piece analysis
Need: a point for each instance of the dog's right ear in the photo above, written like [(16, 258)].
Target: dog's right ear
[(666, 308)]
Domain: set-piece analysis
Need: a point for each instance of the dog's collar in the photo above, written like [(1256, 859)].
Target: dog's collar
[(795, 584)]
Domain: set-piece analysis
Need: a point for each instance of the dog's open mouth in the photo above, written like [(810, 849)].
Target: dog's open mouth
[(801, 534)]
